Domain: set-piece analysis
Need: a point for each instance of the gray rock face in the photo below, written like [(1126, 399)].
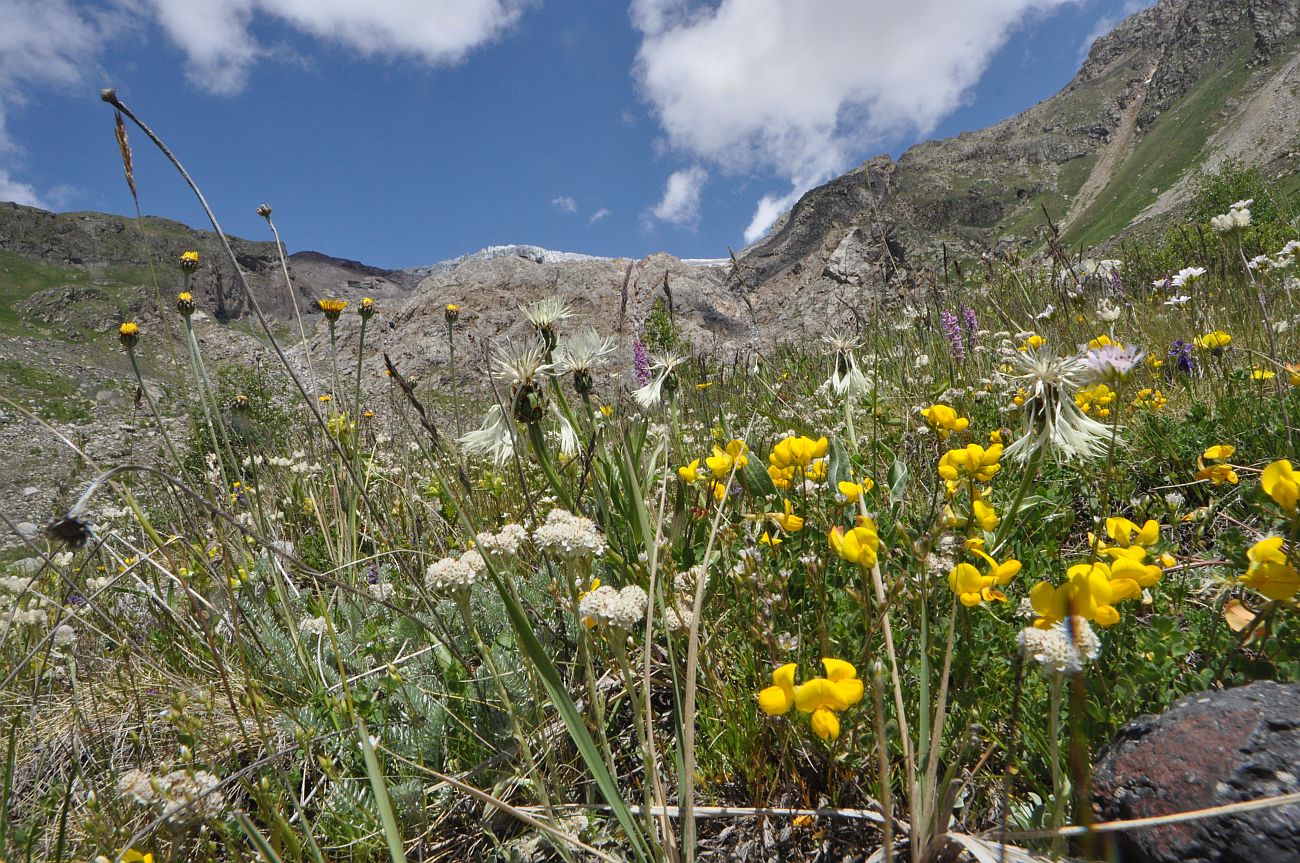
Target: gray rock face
[(1209, 749)]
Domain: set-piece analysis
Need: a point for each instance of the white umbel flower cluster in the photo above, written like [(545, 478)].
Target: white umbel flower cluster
[(1062, 649), (506, 541), (618, 609), (454, 574), (569, 536), (182, 796)]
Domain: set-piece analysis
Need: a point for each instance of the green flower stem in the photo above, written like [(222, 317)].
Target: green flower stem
[(1008, 517), (153, 407), (1056, 687), (538, 443), (617, 644)]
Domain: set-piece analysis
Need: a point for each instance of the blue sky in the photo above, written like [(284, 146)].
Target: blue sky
[(400, 132)]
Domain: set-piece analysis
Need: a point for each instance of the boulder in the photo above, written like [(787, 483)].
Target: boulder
[(1209, 749)]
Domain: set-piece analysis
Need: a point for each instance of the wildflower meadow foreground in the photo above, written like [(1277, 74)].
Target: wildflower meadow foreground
[(884, 595)]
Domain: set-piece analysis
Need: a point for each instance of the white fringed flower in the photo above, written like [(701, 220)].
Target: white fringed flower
[(662, 368), (846, 380), (581, 352), (494, 438), (1052, 420)]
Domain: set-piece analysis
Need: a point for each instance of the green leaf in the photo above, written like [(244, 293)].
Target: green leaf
[(255, 836), (898, 476), (382, 800), (839, 468), (757, 479)]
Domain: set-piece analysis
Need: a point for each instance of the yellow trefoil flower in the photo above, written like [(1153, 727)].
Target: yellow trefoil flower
[(1271, 572), (722, 460), (1281, 483), (690, 472), (770, 539), (1217, 473), (787, 520), (973, 587), (1089, 591), (984, 514), (1262, 374), (944, 419), (859, 544), (1102, 341), (1214, 341), (974, 461), (824, 697), (1125, 533), (853, 491), (777, 699), (798, 451), (1152, 400), (132, 855), (1095, 400), (1033, 343)]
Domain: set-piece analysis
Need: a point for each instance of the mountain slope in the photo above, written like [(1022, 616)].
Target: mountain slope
[(1173, 88)]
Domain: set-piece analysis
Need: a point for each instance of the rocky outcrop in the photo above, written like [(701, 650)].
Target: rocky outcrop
[(1208, 749)]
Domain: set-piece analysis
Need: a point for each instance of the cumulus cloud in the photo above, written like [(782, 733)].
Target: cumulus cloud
[(803, 90), (19, 193), (565, 203), (681, 201), (602, 213), (214, 34), (43, 43)]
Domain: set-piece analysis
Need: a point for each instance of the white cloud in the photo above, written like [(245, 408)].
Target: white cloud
[(43, 43), (602, 213), (681, 201), (19, 193), (805, 89), (214, 34), (565, 203)]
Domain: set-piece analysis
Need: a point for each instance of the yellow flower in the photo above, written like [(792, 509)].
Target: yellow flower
[(589, 622), (129, 334), (781, 476), (995, 436), (367, 308), (797, 451), (332, 308), (973, 587), (787, 521), (816, 471), (1217, 473), (984, 514), (944, 420), (973, 461), (1262, 374), (1125, 533), (607, 411), (853, 491), (823, 697), (1089, 592), (1102, 341), (1270, 572), (719, 490), (451, 313), (691, 472), (1215, 341), (132, 855), (190, 257), (1019, 398), (777, 699), (720, 463), (1033, 343), (703, 386), (1293, 374), (1095, 400), (770, 540), (1281, 483), (1152, 400), (859, 544)]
